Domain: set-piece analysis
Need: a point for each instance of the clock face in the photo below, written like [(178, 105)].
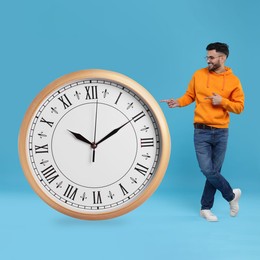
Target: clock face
[(93, 146)]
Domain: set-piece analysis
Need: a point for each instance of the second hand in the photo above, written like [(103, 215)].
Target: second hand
[(95, 134)]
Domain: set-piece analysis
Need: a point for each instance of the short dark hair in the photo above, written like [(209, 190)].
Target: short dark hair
[(219, 47)]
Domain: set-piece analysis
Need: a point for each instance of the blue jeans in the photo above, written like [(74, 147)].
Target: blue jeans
[(210, 147)]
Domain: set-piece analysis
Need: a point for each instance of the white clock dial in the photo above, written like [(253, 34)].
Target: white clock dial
[(93, 147)]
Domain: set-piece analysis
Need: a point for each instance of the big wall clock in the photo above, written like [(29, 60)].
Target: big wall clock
[(94, 144)]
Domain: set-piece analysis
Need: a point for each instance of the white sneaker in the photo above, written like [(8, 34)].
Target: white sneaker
[(234, 207), (208, 215)]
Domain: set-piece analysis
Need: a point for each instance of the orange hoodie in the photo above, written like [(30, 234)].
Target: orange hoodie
[(203, 84)]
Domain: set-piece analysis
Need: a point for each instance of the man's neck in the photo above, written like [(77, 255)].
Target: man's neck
[(220, 70)]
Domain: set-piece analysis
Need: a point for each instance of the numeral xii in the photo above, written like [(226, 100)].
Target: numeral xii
[(91, 92)]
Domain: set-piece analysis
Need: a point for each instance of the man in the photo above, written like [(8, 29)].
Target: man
[(216, 91)]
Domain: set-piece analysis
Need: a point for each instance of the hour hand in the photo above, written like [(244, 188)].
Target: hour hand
[(80, 137)]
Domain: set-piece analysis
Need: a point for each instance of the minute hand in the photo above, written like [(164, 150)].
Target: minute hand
[(113, 132)]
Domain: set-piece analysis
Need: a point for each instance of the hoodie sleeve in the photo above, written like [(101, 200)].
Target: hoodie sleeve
[(189, 95), (235, 103)]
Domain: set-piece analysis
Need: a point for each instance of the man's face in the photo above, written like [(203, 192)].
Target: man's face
[(215, 60)]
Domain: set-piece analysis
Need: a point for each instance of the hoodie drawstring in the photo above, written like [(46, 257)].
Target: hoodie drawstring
[(223, 83), (208, 80)]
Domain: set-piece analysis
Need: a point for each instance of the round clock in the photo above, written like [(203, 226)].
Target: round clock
[(94, 144)]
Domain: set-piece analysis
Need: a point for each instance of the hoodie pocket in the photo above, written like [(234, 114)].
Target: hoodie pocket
[(206, 113)]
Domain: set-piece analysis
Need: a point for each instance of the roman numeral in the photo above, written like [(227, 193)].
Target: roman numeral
[(65, 101), (138, 116), (141, 168), (147, 142), (41, 149), (91, 92), (97, 197), (123, 189), (49, 123), (70, 192), (118, 97), (49, 174)]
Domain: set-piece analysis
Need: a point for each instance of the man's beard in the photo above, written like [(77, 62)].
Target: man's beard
[(213, 67)]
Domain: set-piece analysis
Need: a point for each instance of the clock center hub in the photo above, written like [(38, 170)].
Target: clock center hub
[(93, 145)]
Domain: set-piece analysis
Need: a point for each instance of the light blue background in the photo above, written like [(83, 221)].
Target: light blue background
[(159, 44)]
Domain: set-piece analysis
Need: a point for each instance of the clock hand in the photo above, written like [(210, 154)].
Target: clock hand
[(81, 138), (95, 133), (113, 132)]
